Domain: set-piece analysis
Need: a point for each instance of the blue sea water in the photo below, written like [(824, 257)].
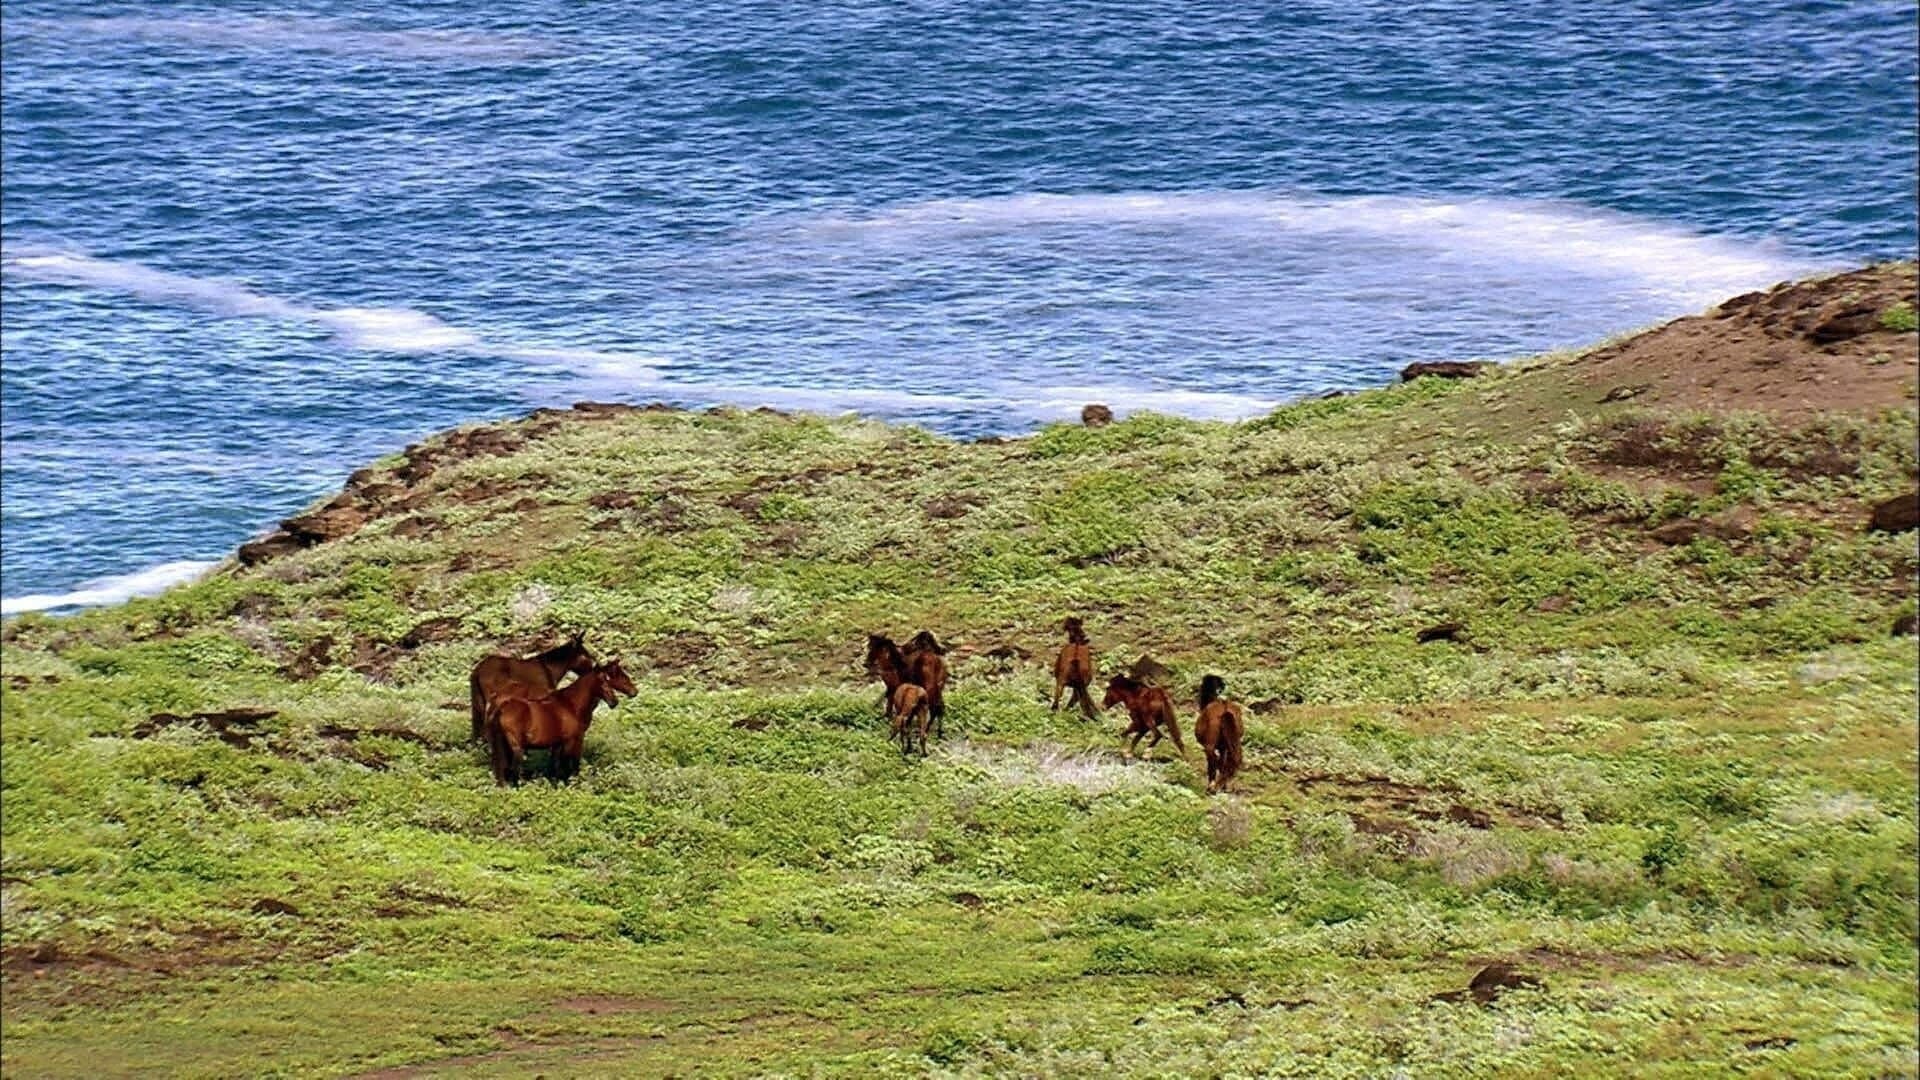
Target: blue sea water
[(248, 247)]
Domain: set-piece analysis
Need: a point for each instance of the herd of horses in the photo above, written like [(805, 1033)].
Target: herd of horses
[(519, 704)]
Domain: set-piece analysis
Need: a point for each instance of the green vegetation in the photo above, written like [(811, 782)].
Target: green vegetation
[(1670, 771), (1901, 318)]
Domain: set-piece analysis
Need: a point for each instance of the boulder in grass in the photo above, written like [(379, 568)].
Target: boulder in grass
[(1444, 369), (1896, 515), (1096, 416)]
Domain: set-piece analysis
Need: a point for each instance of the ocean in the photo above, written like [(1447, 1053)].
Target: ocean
[(245, 249)]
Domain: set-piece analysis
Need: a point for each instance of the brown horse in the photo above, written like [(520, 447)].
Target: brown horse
[(556, 723), (1150, 710), (1218, 731), (927, 669), (533, 676), (1073, 668), (908, 704)]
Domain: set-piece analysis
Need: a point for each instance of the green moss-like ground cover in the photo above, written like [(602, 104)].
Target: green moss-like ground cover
[(1673, 779)]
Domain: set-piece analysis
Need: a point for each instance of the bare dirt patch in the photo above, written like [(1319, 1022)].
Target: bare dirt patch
[(1793, 350)]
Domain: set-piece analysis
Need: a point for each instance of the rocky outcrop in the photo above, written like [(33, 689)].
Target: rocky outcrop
[(1444, 369)]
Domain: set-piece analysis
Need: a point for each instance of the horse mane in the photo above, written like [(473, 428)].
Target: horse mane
[(926, 641), (1212, 688), (1128, 683), (884, 645)]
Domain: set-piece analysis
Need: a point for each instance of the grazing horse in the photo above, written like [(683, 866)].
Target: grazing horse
[(927, 670), (556, 723), (1218, 731), (1150, 710), (497, 676), (1073, 669)]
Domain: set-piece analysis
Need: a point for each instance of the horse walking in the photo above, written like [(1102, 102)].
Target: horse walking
[(1150, 710), (1073, 670), (1218, 731), (499, 676), (556, 723)]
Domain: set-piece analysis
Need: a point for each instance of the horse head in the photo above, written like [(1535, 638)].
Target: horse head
[(1076, 630), (614, 681), (1119, 690), (1212, 688), (881, 649)]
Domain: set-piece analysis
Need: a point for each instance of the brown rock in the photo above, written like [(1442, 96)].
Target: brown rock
[(1849, 323), (1444, 369), (1907, 625), (1682, 531), (328, 523), (271, 546), (1896, 515), (1446, 631), (1150, 671), (1096, 416)]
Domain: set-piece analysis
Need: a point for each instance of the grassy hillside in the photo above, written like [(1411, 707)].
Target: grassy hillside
[(1669, 772)]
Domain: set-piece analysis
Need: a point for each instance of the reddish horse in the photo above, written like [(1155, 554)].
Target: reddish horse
[(1150, 709), (927, 669), (908, 704), (1218, 731), (1073, 669), (556, 723), (500, 676)]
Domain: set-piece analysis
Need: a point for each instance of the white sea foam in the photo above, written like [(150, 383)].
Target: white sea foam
[(402, 330), (111, 590), (1691, 267), (1038, 402), (311, 34)]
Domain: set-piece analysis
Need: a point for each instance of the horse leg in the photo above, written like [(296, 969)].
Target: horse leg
[(478, 701), (937, 707), (497, 753), (1059, 685)]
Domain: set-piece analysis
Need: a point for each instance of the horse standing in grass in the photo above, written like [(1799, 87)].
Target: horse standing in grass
[(927, 669), (556, 723), (1073, 669), (499, 676), (904, 699), (1218, 731), (1150, 710)]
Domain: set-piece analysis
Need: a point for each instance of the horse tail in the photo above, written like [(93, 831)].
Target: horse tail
[(1232, 729), (477, 698), (1172, 720)]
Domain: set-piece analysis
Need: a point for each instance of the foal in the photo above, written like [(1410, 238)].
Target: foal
[(557, 723), (498, 676), (1073, 668), (1149, 708), (1218, 731)]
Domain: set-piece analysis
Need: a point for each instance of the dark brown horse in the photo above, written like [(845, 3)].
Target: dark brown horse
[(533, 676), (1150, 710), (1218, 731), (1073, 669), (556, 723), (927, 669)]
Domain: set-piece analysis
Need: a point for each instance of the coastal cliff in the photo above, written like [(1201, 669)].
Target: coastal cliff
[(1660, 761)]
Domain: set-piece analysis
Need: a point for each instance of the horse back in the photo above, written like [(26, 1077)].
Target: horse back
[(497, 673), (1074, 665)]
